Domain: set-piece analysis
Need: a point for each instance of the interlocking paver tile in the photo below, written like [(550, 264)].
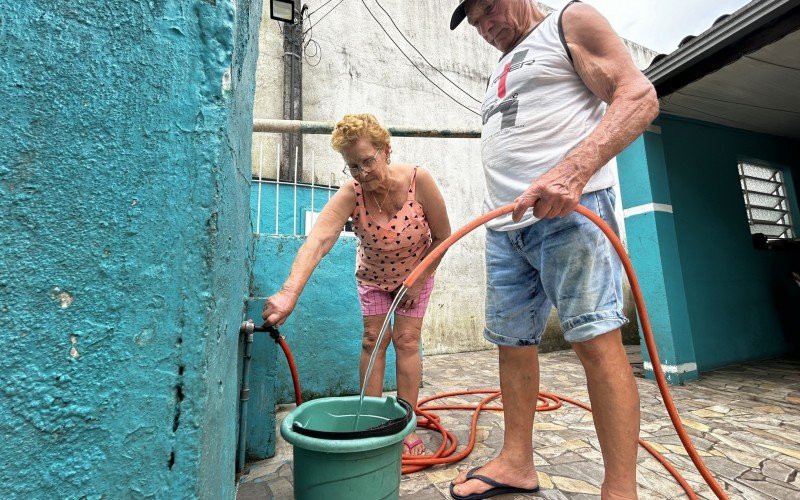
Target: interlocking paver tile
[(744, 420)]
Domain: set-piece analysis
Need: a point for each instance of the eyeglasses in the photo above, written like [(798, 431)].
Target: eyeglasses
[(365, 166)]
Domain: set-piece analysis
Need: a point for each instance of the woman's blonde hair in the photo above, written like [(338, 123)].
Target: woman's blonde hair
[(351, 128)]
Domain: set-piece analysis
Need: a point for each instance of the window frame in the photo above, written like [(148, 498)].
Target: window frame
[(788, 197)]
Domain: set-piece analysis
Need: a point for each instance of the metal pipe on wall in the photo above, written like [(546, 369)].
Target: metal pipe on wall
[(310, 127), (247, 329)]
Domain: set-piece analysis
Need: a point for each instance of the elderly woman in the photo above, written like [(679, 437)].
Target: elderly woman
[(399, 217)]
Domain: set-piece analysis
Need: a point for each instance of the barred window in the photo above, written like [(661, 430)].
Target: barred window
[(765, 198)]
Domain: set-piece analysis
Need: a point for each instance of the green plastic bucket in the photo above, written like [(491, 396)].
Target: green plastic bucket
[(334, 461)]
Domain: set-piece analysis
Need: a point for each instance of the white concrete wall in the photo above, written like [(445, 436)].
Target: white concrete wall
[(358, 69)]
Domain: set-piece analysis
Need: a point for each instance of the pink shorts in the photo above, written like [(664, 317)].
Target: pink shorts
[(376, 302)]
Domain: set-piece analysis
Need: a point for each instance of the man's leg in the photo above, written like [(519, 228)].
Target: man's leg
[(582, 274), (519, 382), (615, 407)]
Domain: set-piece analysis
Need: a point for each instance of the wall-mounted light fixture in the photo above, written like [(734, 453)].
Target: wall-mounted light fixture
[(282, 10)]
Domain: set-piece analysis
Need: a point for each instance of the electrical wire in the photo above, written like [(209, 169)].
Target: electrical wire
[(415, 66), (311, 57), (321, 6), (772, 63), (310, 30), (323, 16), (731, 120), (422, 55), (311, 42)]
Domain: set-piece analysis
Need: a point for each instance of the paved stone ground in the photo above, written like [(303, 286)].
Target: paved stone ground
[(744, 420)]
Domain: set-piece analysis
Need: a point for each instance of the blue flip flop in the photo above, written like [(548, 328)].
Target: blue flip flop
[(497, 488)]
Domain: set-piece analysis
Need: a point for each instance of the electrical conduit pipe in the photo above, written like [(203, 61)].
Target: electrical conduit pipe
[(247, 329)]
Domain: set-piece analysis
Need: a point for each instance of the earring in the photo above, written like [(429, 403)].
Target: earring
[(388, 161)]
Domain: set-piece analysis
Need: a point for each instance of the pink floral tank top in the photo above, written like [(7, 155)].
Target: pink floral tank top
[(388, 252)]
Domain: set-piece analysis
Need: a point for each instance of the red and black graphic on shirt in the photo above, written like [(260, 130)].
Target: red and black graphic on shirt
[(517, 61), (507, 107)]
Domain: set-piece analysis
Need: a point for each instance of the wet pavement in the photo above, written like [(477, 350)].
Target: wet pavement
[(744, 421)]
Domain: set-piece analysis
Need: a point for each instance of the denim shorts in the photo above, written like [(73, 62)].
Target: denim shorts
[(566, 262)]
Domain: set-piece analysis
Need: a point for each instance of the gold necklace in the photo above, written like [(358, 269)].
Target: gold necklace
[(380, 205)]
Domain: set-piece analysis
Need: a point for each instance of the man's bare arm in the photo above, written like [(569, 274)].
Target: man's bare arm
[(605, 66)]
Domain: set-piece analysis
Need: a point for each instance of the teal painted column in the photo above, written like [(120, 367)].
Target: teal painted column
[(653, 248)]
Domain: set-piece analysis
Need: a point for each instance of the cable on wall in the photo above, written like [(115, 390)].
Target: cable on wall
[(415, 65), (422, 55)]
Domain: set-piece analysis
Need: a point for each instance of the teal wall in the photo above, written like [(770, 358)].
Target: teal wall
[(325, 330), (741, 303), (124, 242)]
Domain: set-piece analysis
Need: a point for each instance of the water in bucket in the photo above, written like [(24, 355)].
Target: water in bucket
[(350, 447)]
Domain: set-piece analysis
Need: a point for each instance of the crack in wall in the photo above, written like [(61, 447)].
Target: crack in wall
[(178, 399), (176, 421)]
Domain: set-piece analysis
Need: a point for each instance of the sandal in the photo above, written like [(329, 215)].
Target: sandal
[(411, 446), (497, 488)]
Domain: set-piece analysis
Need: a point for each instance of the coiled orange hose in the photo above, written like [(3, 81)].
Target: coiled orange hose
[(431, 421)]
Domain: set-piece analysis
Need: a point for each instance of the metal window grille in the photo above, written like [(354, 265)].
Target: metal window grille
[(765, 199), (286, 206)]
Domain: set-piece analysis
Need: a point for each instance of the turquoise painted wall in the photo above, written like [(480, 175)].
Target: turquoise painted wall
[(264, 367), (124, 242), (325, 330), (741, 303)]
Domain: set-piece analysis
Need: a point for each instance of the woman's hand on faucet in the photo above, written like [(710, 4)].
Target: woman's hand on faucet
[(278, 307)]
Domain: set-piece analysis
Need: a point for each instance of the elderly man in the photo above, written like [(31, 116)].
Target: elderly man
[(564, 99)]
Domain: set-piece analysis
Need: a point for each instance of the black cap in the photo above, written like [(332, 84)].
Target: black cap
[(458, 15)]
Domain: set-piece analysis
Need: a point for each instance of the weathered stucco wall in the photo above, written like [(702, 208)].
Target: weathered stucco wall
[(124, 241), (340, 77)]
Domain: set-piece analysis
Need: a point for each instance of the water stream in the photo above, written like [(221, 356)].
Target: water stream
[(400, 293)]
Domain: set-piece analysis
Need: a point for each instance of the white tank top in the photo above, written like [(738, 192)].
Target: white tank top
[(536, 110)]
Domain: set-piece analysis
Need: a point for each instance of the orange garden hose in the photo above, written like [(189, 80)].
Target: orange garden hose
[(298, 398), (446, 452)]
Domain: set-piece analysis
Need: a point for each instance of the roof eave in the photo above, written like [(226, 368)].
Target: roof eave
[(732, 29)]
